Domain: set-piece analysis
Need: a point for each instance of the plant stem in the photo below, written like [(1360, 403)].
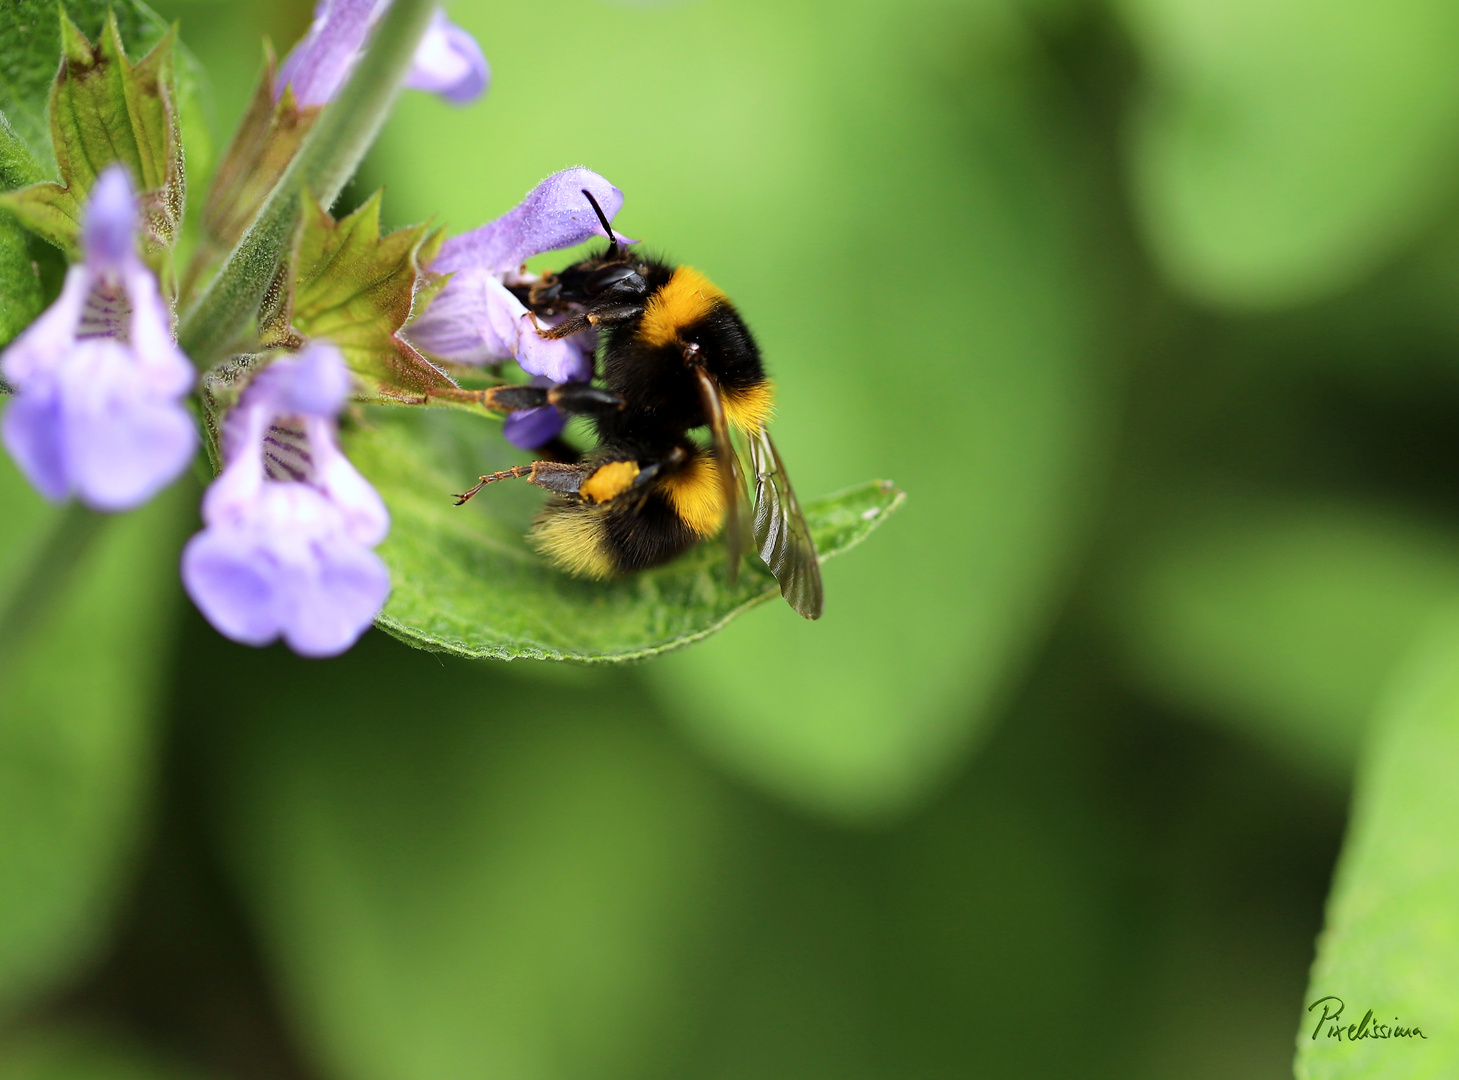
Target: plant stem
[(48, 576), (218, 321)]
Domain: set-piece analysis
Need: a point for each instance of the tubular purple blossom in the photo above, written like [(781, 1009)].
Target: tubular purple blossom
[(289, 524), (477, 320), (448, 61), (99, 382)]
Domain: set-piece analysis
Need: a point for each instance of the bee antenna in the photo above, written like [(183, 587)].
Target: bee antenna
[(602, 217)]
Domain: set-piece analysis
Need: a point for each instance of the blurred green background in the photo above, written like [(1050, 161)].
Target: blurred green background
[(1149, 305)]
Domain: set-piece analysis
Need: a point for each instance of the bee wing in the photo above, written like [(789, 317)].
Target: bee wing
[(736, 529), (781, 533)]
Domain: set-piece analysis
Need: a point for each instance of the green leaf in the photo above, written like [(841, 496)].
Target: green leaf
[(30, 50), (1285, 148), (66, 1053), (1280, 621), (79, 708), (909, 147), (21, 297), (463, 580), (18, 165), (1391, 943), (507, 885), (105, 109), (357, 290)]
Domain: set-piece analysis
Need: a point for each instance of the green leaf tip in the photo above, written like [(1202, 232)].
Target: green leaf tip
[(466, 583), (105, 109)]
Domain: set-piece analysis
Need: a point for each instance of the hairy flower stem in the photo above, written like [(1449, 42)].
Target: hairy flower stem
[(48, 576), (218, 322)]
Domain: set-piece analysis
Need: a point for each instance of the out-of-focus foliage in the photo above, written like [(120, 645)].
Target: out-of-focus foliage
[(79, 704), (558, 888), (61, 1053), (1283, 620), (1284, 148), (882, 193), (1392, 938)]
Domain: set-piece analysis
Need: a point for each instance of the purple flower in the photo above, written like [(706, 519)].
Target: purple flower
[(531, 428), (289, 523), (99, 382), (477, 320), (447, 62)]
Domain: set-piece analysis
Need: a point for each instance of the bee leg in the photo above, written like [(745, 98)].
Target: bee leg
[(570, 397), (555, 476), (584, 398), (611, 315)]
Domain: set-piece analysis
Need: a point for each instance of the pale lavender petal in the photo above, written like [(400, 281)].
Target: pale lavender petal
[(32, 355), (474, 320), (288, 568), (160, 363), (531, 428), (319, 64), (237, 486), (109, 222), (449, 62), (316, 382), (286, 551), (339, 600), (562, 360), (553, 215), (123, 443), (363, 515), (234, 584), (33, 434)]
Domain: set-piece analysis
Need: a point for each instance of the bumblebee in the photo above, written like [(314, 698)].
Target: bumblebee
[(675, 356)]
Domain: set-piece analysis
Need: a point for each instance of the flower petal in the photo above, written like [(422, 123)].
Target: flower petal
[(449, 62), (319, 64), (553, 215), (234, 584), (362, 512), (531, 428), (32, 355), (314, 383), (562, 360), (32, 433), (109, 222), (161, 364), (474, 320), (123, 443), (339, 601)]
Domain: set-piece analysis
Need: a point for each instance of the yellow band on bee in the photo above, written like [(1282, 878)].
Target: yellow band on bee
[(687, 297), (749, 409), (696, 495)]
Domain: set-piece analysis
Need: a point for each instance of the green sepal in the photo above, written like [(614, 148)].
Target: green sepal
[(465, 582), (356, 289), (265, 141), (106, 109)]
